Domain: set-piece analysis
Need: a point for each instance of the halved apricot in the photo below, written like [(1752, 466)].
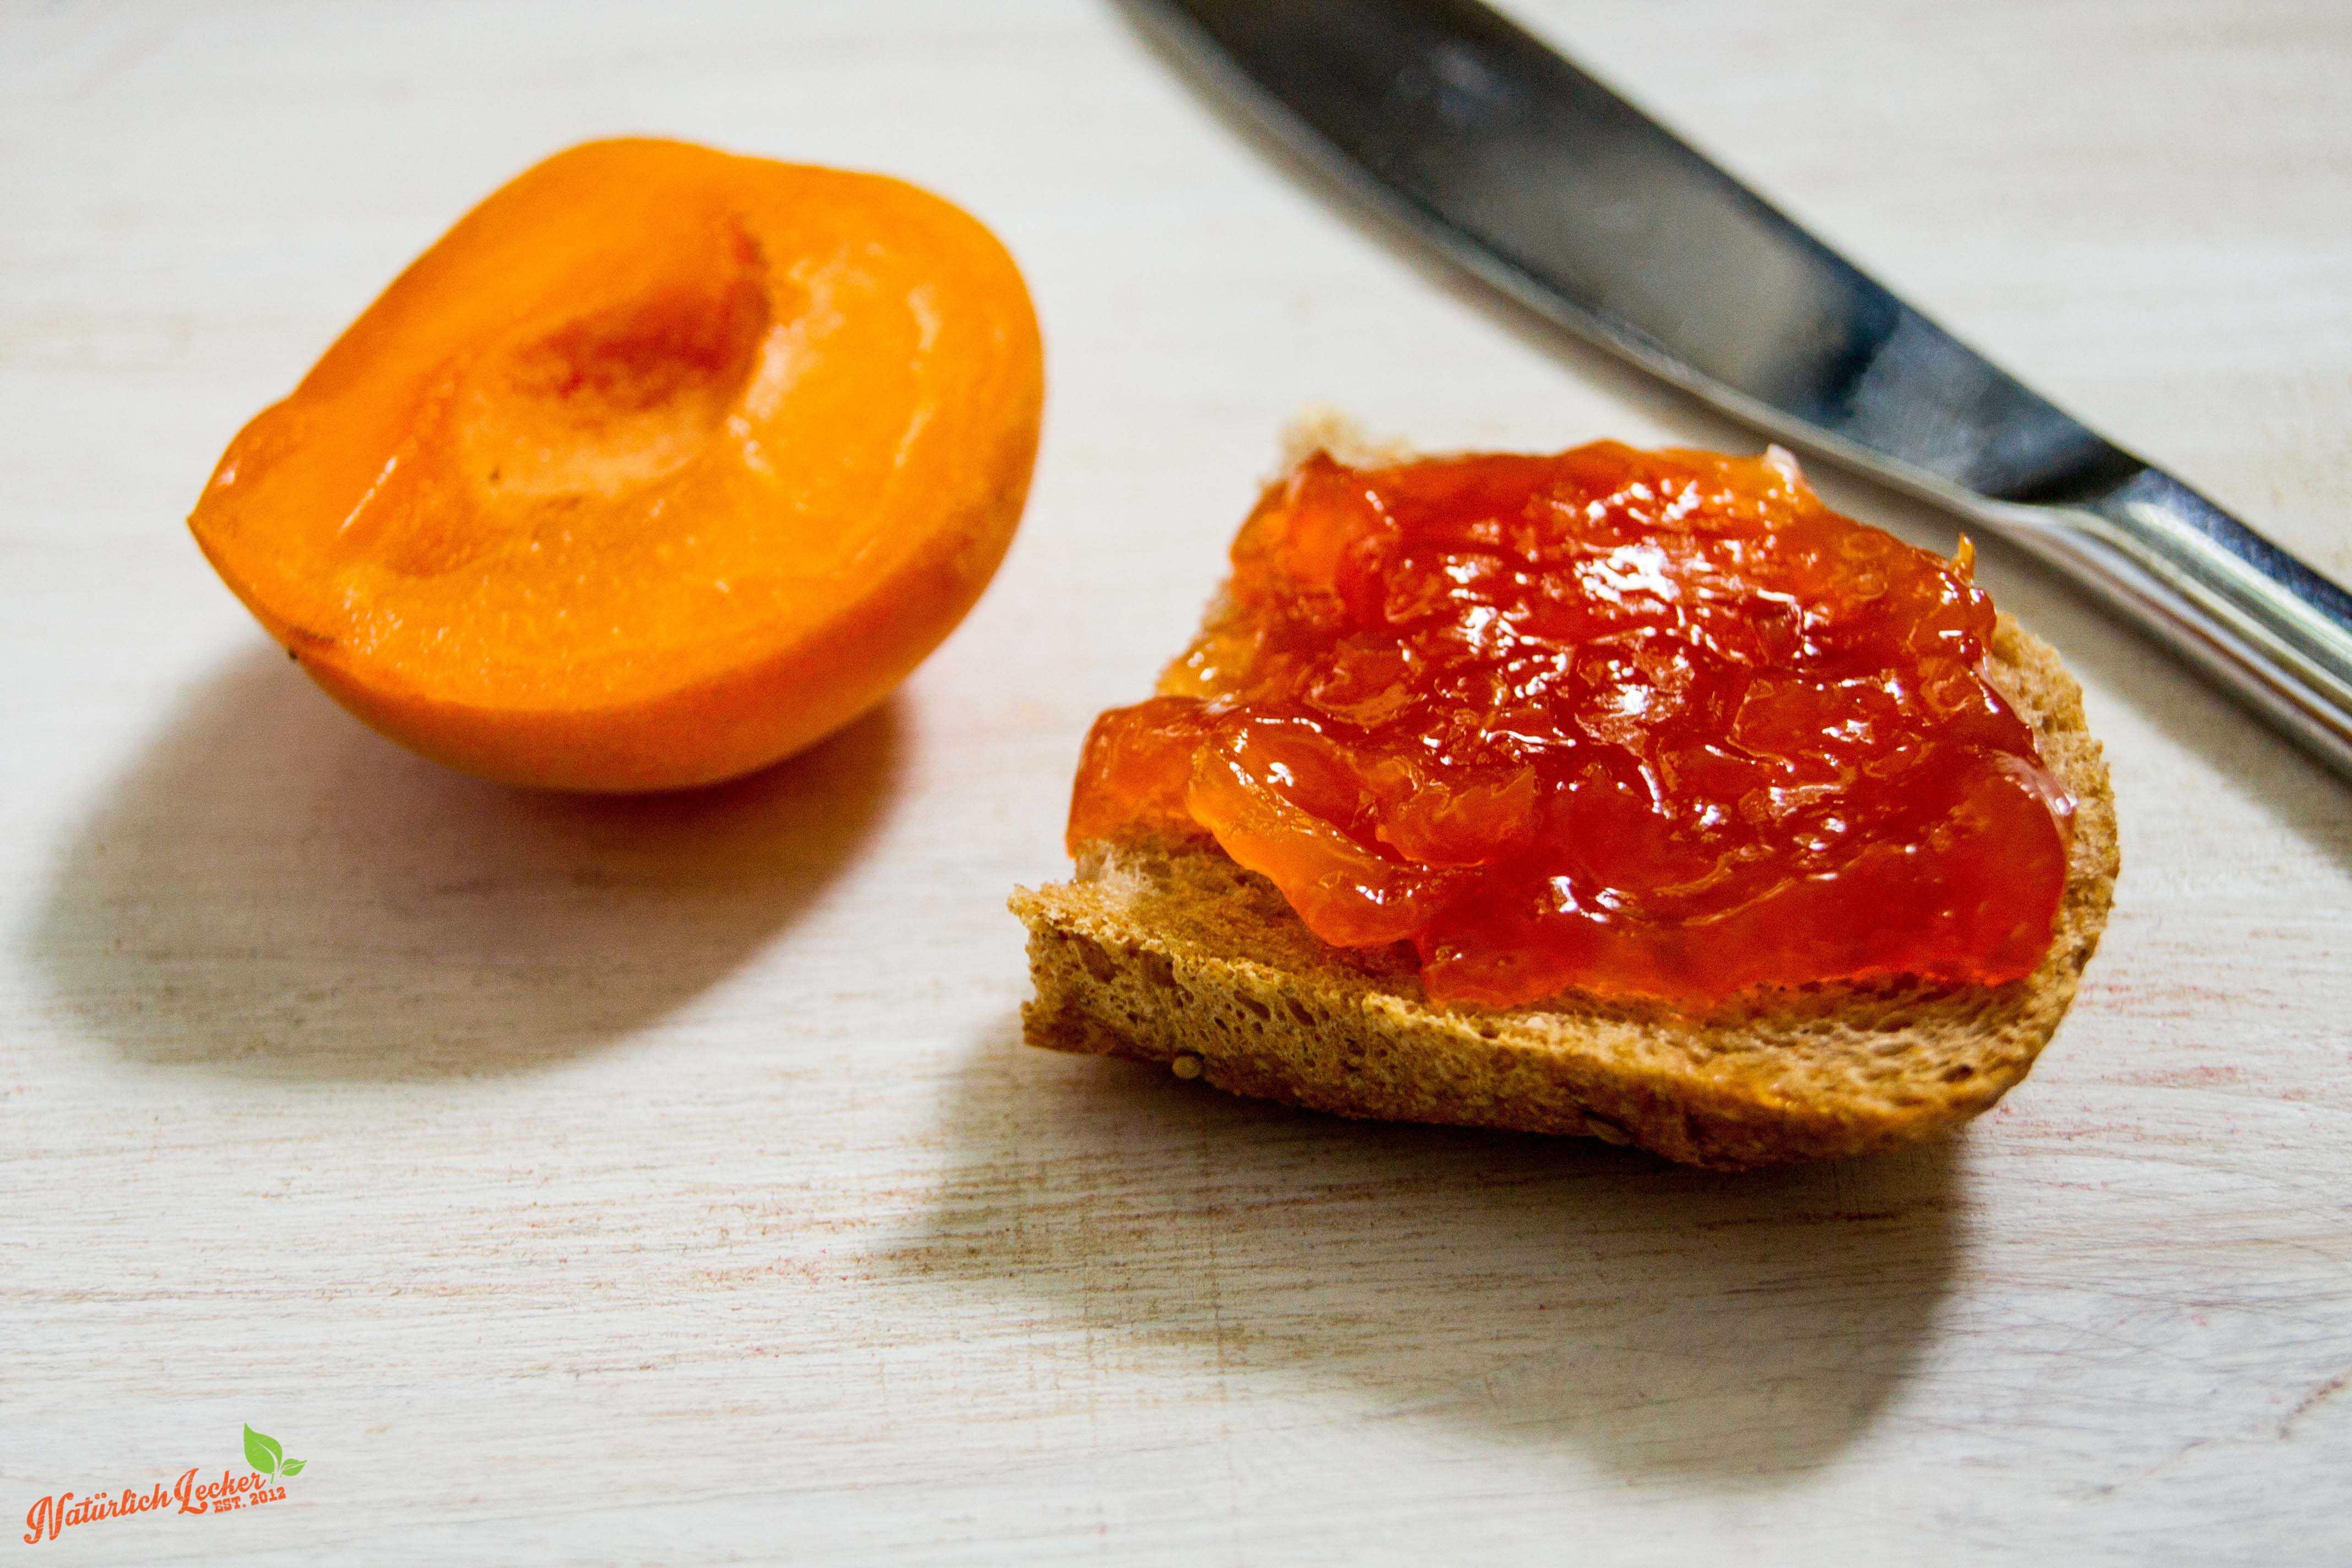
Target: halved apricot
[(660, 465)]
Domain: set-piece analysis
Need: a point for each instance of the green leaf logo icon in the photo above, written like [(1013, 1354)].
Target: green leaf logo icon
[(294, 1467), (262, 1453)]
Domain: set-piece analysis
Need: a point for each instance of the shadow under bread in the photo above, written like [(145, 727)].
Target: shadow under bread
[(1659, 1319)]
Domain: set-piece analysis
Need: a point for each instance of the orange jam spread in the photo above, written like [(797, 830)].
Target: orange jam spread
[(1651, 724)]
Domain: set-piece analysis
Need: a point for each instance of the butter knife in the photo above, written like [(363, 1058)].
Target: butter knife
[(1541, 181)]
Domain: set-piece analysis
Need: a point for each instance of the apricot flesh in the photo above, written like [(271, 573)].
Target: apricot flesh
[(662, 464)]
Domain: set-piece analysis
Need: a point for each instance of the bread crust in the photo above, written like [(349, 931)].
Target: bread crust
[(1166, 951)]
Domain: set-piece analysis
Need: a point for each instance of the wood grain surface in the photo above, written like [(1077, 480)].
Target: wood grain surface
[(607, 1182)]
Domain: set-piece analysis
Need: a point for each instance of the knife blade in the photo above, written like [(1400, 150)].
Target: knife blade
[(1541, 181)]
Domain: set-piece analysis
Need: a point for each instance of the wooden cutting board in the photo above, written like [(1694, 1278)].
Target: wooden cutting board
[(664, 1181)]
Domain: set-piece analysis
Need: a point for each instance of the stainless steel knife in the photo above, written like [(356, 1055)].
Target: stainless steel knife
[(1541, 181)]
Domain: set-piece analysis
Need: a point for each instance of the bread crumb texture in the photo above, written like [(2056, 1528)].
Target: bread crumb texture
[(1166, 951)]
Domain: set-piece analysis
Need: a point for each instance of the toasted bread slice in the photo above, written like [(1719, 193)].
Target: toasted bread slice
[(1166, 951)]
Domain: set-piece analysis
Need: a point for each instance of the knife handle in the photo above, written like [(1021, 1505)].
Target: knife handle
[(2258, 619)]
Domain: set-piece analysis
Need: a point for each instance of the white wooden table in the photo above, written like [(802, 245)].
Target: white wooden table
[(607, 1182)]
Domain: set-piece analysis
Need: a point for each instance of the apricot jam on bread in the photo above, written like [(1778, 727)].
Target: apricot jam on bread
[(1633, 793)]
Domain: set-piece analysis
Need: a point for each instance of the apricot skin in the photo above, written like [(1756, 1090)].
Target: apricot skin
[(661, 465)]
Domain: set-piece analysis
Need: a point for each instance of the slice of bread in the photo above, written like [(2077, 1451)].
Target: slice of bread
[(1166, 951)]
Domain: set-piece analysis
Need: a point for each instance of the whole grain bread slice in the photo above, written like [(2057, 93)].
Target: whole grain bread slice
[(1166, 951)]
